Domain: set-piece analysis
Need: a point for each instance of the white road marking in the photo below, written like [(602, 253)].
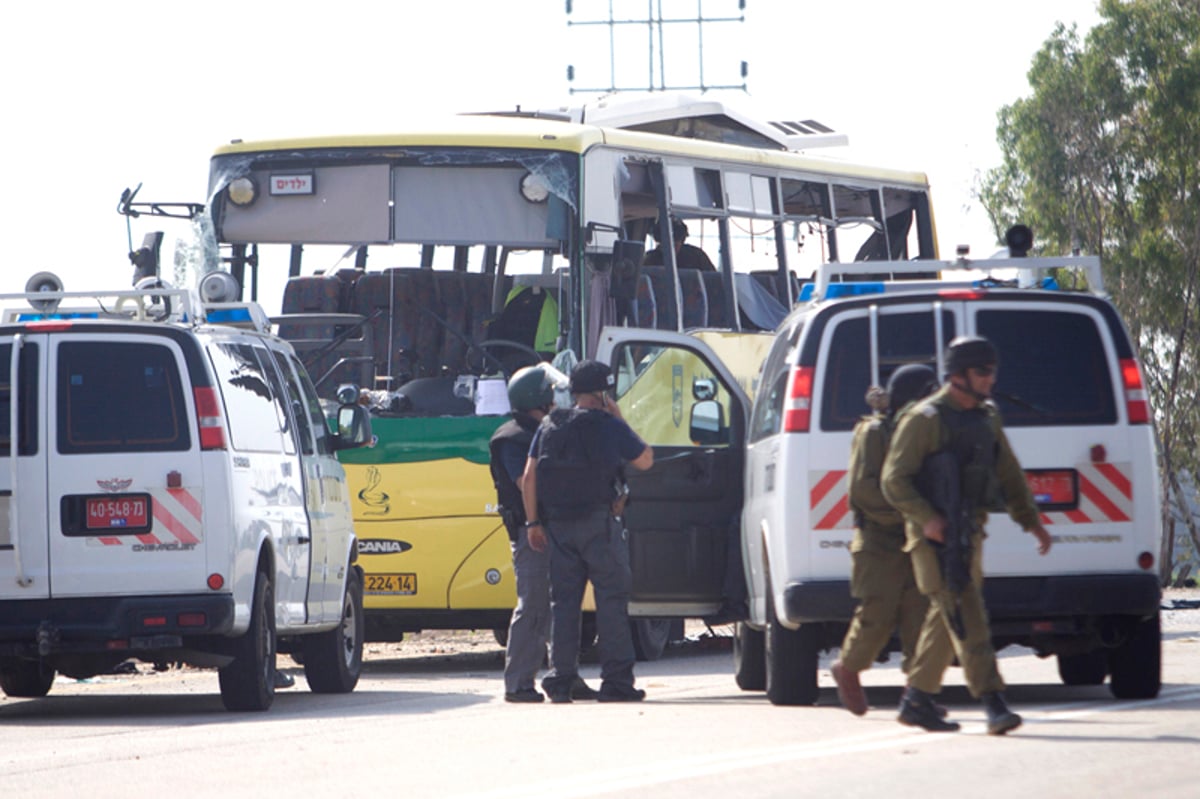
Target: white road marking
[(665, 771)]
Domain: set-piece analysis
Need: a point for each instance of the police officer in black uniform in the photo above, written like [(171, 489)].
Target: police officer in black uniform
[(568, 489)]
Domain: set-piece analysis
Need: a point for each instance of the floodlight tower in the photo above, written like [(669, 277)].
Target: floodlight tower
[(655, 24)]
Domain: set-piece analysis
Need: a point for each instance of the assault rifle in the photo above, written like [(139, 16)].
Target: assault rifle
[(940, 483)]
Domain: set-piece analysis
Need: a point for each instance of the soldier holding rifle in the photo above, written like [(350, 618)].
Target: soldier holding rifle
[(949, 463)]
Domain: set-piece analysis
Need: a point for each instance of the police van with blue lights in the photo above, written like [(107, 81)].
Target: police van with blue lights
[(1075, 410), (169, 493)]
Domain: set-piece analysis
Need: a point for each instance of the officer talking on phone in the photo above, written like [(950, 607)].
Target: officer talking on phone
[(568, 488)]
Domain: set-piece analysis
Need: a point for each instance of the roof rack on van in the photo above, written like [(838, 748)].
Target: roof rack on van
[(180, 306), (1026, 273)]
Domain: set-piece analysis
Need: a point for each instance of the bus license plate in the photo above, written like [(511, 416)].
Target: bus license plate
[(1054, 489), (118, 511), (395, 584)]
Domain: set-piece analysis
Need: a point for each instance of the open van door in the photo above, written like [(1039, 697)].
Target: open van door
[(684, 512)]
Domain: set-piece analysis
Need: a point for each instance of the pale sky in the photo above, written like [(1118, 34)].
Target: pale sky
[(100, 96)]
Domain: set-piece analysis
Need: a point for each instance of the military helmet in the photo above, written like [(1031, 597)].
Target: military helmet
[(909, 383), (967, 352), (530, 388)]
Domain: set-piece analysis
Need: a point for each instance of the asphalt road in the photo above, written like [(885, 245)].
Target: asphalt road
[(428, 719)]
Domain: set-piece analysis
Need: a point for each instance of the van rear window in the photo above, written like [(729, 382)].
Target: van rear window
[(119, 397), (27, 400), (906, 337), (1054, 367)]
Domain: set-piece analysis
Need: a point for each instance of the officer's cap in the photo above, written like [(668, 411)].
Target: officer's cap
[(591, 376), (970, 352), (908, 383)]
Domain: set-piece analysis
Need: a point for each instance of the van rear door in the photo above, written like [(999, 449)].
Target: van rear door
[(1087, 450), (24, 547), (684, 512), (849, 349), (121, 466)]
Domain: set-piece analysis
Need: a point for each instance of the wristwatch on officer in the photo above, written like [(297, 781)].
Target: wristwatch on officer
[(532, 523)]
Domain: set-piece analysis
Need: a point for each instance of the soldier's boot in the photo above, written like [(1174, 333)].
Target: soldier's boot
[(999, 718), (918, 710), (849, 689)]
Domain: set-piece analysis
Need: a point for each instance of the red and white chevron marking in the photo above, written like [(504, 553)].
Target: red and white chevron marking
[(1105, 495), (178, 517), (829, 500)]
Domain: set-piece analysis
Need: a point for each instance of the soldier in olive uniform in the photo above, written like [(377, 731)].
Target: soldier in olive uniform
[(958, 418), (881, 575)]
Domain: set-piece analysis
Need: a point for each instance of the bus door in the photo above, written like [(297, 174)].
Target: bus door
[(683, 514)]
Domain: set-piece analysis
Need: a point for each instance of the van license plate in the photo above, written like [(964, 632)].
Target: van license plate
[(118, 511), (1054, 489), (396, 584)]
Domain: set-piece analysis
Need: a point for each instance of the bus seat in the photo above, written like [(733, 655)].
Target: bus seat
[(322, 294), (664, 292), (774, 282), (477, 295), (718, 312), (452, 292), (407, 340), (645, 313), (695, 300), (310, 294)]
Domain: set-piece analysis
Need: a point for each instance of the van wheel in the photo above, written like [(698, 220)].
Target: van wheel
[(248, 683), (333, 659), (1088, 668), (749, 658), (27, 678), (791, 660), (1136, 665), (650, 637)]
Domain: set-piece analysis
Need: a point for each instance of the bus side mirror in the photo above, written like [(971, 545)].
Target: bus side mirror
[(707, 424), (353, 428)]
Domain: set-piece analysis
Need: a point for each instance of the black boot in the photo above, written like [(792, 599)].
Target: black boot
[(999, 718), (918, 710)]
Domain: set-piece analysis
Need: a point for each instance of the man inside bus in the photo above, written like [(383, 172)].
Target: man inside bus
[(687, 256)]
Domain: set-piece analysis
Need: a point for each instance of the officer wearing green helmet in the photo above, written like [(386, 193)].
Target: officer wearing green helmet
[(531, 396), (960, 419)]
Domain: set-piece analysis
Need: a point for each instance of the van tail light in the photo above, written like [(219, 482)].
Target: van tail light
[(798, 411), (1136, 406), (208, 416)]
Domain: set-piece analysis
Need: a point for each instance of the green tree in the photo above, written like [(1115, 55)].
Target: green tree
[(1104, 157)]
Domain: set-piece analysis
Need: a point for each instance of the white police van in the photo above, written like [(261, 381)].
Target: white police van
[(169, 493), (1075, 411)]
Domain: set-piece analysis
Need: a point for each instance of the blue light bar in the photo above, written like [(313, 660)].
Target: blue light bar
[(837, 290), (33, 316), (229, 316)]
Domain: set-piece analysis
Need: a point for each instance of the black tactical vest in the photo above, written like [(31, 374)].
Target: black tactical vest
[(575, 472), (517, 431), (972, 440)]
